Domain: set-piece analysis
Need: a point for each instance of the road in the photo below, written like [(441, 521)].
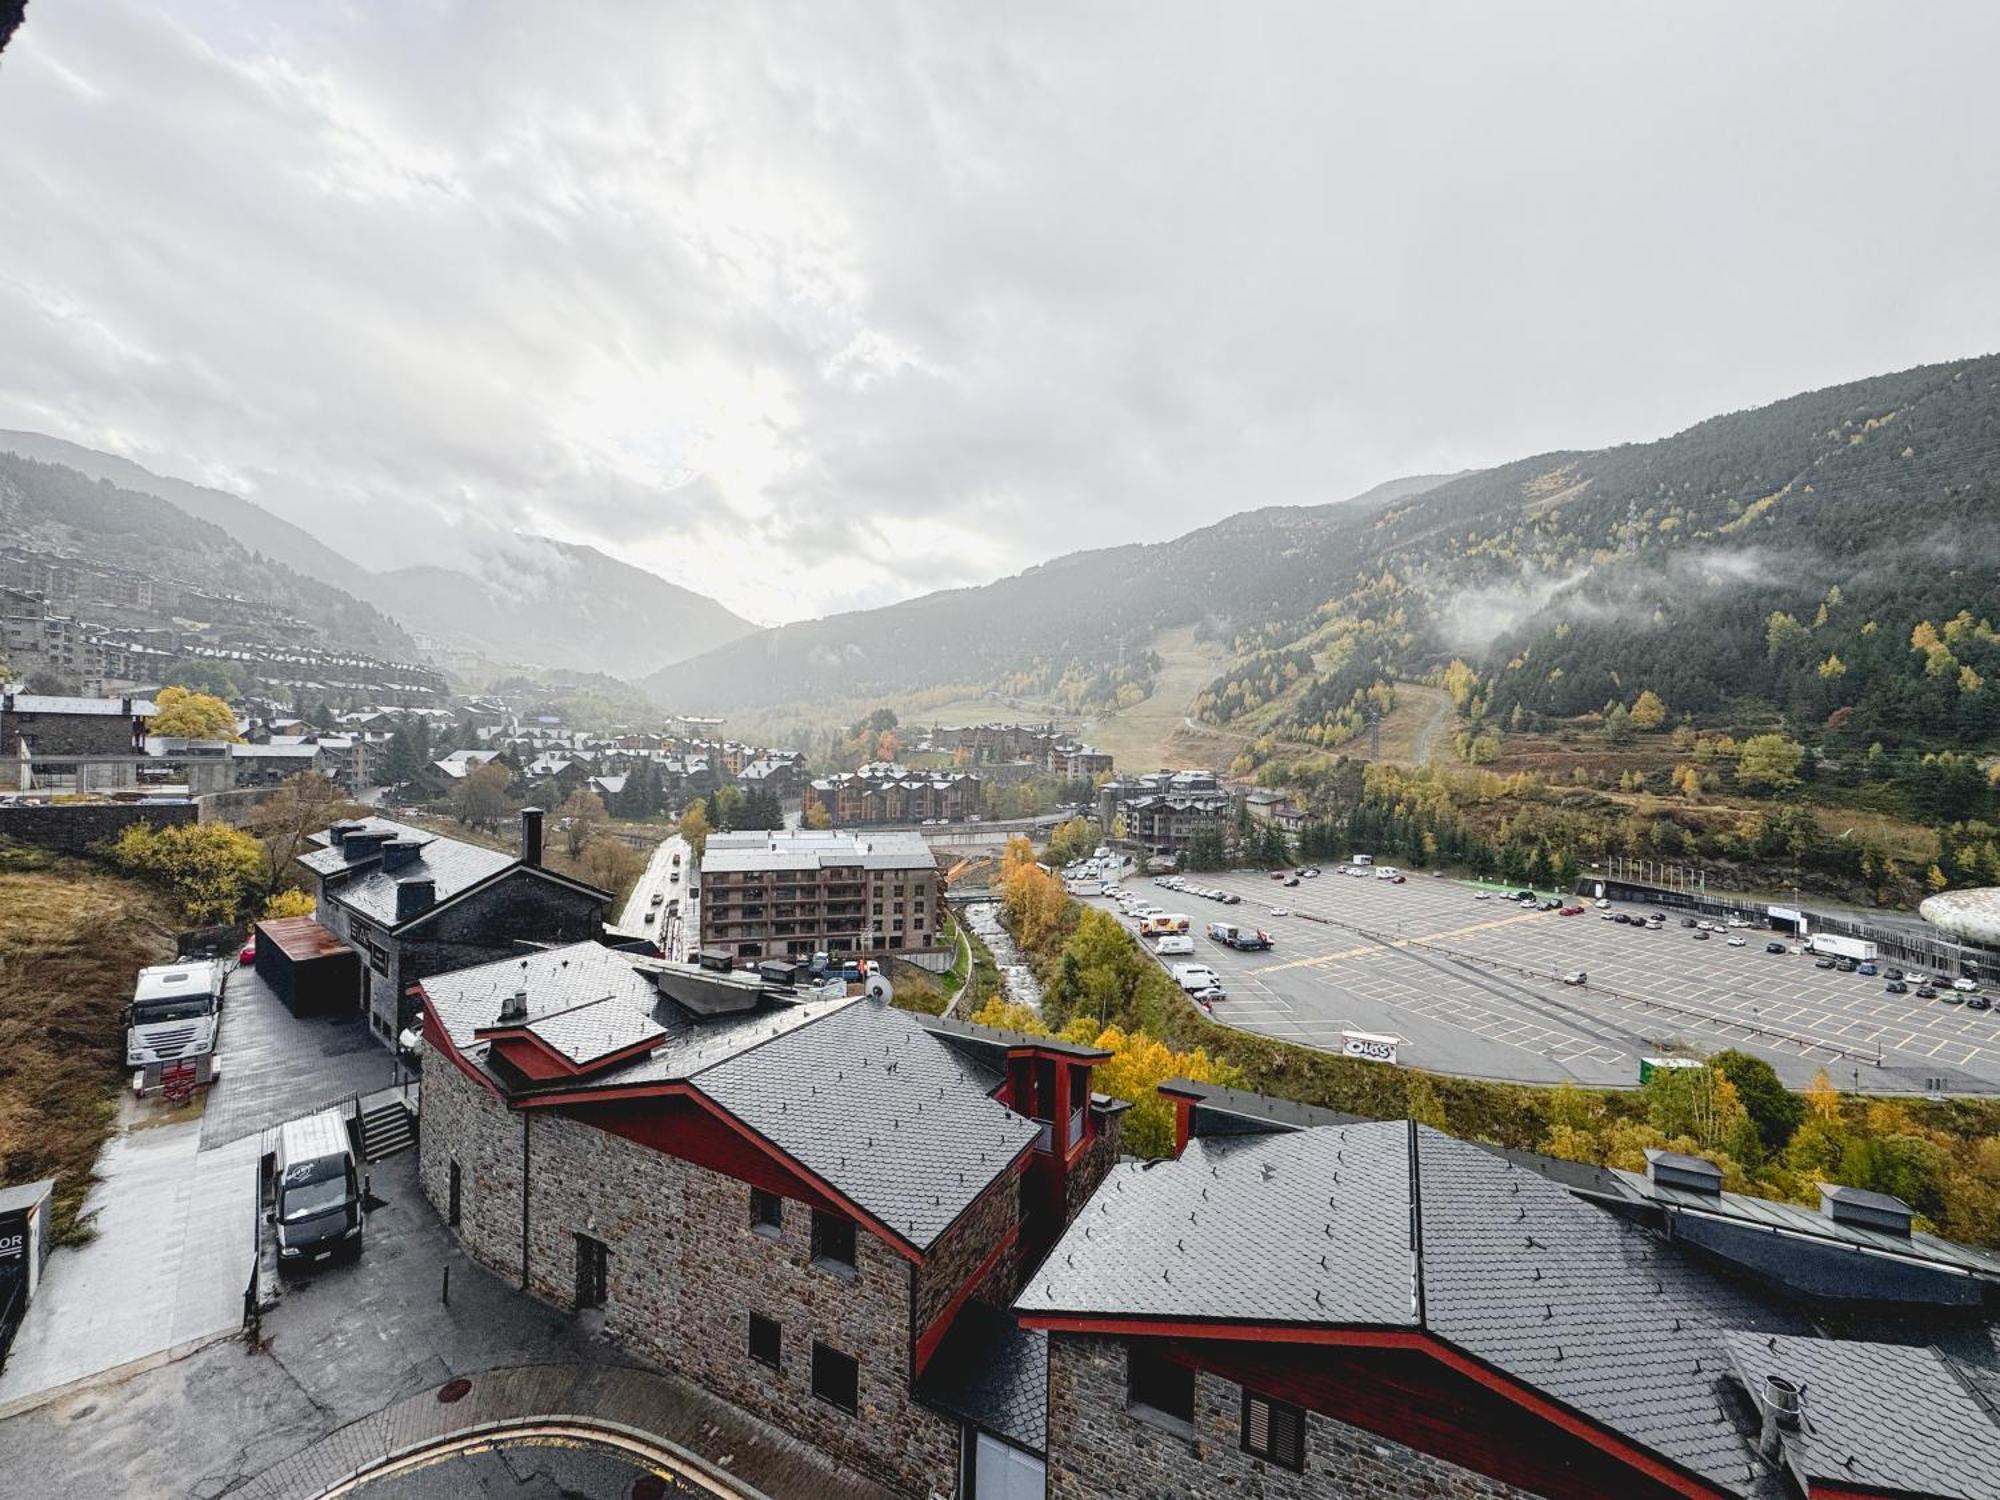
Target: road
[(671, 877), (1473, 988)]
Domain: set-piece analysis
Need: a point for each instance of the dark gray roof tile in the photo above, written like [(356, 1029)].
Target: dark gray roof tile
[(993, 1373)]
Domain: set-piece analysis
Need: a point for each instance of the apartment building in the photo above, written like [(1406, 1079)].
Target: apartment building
[(884, 792), (790, 893)]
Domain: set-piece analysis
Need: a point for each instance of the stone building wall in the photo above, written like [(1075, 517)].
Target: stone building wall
[(1097, 1447), (76, 827), (959, 1253), (685, 1271), (1088, 1171)]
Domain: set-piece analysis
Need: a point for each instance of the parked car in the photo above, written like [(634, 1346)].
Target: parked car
[(1978, 1002), (1701, 935), (249, 954), (1895, 987), (1291, 880), (1576, 977), (1951, 997), (1483, 896), (1281, 911), (1822, 963), (1735, 940), (1964, 986), (1569, 911), (1687, 921), (1774, 947), (1925, 992), (1869, 969), (1846, 965), (1277, 874), (1603, 902)]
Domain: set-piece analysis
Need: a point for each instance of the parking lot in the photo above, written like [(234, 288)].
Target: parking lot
[(1473, 987)]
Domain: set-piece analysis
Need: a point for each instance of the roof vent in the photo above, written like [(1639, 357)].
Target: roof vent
[(414, 896), (514, 1008), (1687, 1174), (400, 852), (1782, 1403), (337, 833), (1858, 1208)]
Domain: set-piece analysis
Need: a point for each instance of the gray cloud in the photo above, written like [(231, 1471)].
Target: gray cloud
[(815, 306)]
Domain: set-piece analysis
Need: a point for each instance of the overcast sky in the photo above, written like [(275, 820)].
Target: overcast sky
[(811, 307)]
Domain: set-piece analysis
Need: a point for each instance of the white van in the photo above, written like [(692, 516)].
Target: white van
[(1174, 942), (175, 1014), (1194, 977), (317, 1190)]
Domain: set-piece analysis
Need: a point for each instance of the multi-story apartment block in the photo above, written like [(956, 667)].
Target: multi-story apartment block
[(884, 792), (790, 893), (1164, 811)]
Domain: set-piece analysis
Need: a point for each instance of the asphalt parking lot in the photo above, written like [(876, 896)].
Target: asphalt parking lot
[(1472, 987)]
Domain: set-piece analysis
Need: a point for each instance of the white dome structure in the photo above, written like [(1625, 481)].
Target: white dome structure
[(1969, 916)]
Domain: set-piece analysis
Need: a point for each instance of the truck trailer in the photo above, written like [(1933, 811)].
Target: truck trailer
[(1247, 939), (1832, 945)]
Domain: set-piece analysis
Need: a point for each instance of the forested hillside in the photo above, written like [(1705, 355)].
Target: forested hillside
[(1076, 629), (49, 507), (1831, 560)]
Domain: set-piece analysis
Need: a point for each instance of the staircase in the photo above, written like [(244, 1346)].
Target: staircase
[(387, 1127)]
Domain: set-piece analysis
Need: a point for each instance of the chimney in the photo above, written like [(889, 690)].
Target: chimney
[(415, 897), (337, 833), (125, 707), (363, 844), (1858, 1208), (514, 1008), (400, 852), (531, 836), (1687, 1174), (1783, 1404)]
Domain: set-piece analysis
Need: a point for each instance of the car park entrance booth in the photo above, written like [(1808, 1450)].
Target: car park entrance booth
[(310, 969)]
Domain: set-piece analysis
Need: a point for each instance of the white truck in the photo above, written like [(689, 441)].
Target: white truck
[(1195, 978), (171, 1024), (1831, 945)]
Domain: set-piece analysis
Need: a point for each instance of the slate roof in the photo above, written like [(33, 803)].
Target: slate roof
[(1313, 1227), (871, 1102), (49, 703), (993, 1373), (1879, 1416), (1793, 1218), (596, 1028), (370, 891), (1307, 1226), (855, 1092)]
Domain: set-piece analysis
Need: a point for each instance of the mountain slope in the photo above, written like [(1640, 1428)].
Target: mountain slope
[(253, 528), (48, 507), (1862, 516), (1078, 625), (556, 604)]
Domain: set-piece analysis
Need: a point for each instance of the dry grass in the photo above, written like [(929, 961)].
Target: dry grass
[(71, 937), (1152, 734)]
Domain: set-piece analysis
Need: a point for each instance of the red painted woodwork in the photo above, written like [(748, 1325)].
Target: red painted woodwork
[(1550, 1422), (537, 1060)]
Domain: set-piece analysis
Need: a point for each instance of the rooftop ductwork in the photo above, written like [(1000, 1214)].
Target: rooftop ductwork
[(1686, 1174), (514, 1008), (338, 833), (1858, 1208), (1782, 1404)]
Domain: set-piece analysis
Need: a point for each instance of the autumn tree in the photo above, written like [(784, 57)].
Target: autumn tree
[(1648, 711), (581, 817), (611, 864), (694, 827), (302, 806), (213, 871), (184, 715), (1770, 761), (816, 816), (479, 798), (290, 902)]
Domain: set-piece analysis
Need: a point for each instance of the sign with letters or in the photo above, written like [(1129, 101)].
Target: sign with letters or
[(1368, 1046)]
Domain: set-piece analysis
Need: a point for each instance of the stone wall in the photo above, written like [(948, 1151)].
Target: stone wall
[(1097, 1447), (77, 827), (686, 1270), (992, 1217), (1088, 1171), (67, 734)]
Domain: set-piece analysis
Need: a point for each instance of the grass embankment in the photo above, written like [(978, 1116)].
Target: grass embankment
[(935, 994), (71, 937)]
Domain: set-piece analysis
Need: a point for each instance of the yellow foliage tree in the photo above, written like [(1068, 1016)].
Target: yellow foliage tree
[(288, 903), (211, 869), (1649, 711), (816, 815), (694, 828), (184, 715)]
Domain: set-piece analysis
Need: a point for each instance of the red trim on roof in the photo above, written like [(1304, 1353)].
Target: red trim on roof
[(554, 1064), (1525, 1396)]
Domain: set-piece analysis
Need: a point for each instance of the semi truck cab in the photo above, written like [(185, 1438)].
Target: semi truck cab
[(175, 1014)]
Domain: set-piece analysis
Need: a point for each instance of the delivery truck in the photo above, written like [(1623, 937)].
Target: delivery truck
[(1230, 935), (1830, 945)]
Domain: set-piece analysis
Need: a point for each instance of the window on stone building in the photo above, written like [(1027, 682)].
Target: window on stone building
[(454, 1189), (766, 1340), (836, 1377), (1275, 1430), (1158, 1388), (833, 1240), (767, 1213)]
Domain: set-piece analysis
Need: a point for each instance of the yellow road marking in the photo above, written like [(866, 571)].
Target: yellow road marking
[(1401, 942)]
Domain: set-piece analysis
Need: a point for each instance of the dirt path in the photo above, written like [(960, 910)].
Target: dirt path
[(1433, 724)]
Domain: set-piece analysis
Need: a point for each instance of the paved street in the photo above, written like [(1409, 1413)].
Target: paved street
[(671, 876), (1472, 987)]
